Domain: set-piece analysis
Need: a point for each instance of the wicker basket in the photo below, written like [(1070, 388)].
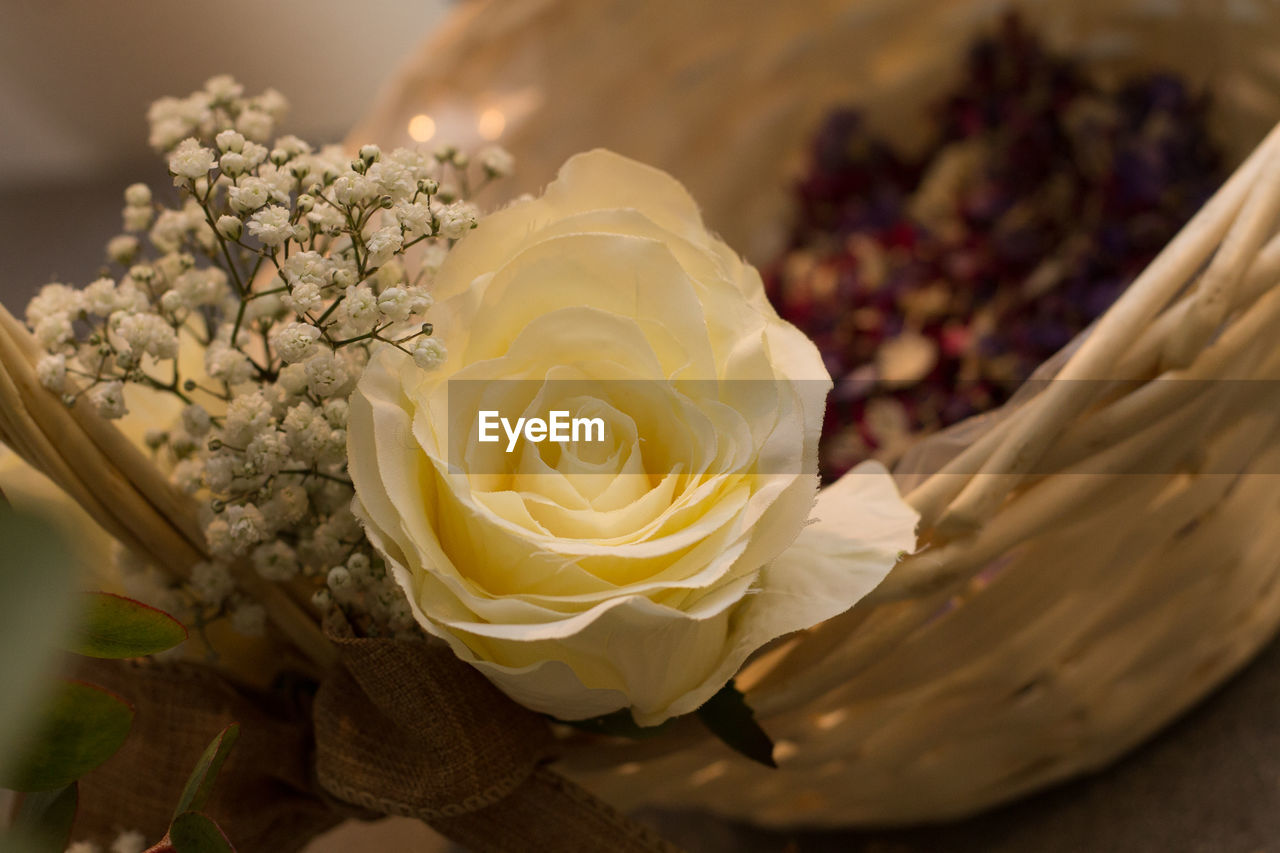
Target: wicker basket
[(1064, 611)]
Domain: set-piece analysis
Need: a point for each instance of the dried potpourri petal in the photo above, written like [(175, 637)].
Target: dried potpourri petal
[(933, 287)]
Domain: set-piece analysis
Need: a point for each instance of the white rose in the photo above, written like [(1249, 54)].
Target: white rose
[(648, 585)]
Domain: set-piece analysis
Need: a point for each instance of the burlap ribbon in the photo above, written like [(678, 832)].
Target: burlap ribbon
[(446, 746), (400, 728)]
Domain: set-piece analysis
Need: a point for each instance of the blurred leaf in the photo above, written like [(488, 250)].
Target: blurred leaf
[(731, 719), (16, 842), (37, 610), (200, 783), (82, 727), (113, 626), (192, 832), (44, 818)]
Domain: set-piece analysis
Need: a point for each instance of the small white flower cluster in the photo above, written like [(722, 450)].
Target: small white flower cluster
[(286, 264), (362, 586)]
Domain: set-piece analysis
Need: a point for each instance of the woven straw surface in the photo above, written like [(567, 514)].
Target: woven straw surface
[(1101, 554)]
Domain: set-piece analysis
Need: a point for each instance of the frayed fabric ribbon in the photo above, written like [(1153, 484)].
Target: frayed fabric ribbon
[(406, 728), (397, 728)]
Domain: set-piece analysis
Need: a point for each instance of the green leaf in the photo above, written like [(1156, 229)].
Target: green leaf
[(192, 832), (37, 610), (44, 818), (731, 719), (618, 724), (117, 627), (200, 783), (82, 727)]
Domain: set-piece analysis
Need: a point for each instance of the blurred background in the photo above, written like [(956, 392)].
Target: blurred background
[(75, 82), (76, 79)]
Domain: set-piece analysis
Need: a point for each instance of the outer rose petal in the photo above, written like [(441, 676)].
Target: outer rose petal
[(595, 180), (862, 528)]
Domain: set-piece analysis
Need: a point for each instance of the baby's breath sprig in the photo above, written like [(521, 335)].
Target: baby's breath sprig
[(281, 265)]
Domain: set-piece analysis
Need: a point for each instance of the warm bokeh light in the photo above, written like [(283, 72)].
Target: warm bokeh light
[(491, 124), (422, 127)]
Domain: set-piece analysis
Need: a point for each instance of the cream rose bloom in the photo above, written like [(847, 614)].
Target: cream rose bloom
[(642, 572)]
